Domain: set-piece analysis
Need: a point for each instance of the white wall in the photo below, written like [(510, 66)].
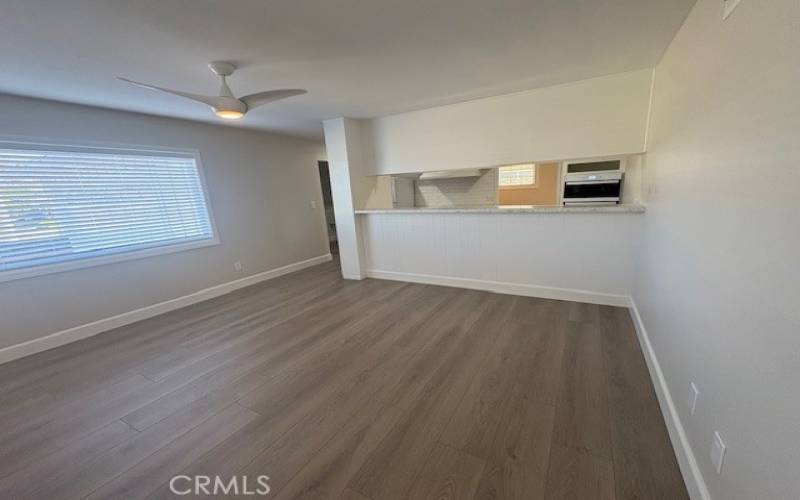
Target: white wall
[(571, 256), (260, 187), (719, 282), (598, 117), (349, 189), (632, 184)]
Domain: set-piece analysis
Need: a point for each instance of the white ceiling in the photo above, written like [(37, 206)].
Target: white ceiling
[(357, 58)]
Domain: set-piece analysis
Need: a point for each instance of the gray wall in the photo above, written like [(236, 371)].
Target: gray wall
[(260, 185), (719, 281)]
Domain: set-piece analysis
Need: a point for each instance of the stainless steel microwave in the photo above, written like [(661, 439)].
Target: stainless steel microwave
[(595, 188)]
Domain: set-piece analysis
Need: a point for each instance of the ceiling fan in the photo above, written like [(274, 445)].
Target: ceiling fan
[(225, 105)]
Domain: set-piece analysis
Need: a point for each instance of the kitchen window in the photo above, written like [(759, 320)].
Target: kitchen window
[(517, 175), (64, 208)]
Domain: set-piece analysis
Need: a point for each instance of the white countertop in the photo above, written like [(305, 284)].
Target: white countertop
[(511, 209)]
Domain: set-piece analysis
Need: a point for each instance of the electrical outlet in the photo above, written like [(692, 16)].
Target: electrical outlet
[(694, 395), (313, 204), (717, 452), (237, 265), (728, 7)]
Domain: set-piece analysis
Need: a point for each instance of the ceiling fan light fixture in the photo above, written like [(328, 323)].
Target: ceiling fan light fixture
[(226, 105), (228, 114)]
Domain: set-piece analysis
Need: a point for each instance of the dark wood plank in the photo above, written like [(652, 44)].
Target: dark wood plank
[(319, 413), (89, 471), (445, 331), (349, 494), (577, 475), (33, 439), (538, 312), (479, 416), (265, 365), (104, 354), (43, 479), (582, 415), (448, 474), (314, 366), (358, 390), (644, 463), (333, 404), (517, 458), (147, 475), (583, 313), (329, 470), (541, 374), (392, 469)]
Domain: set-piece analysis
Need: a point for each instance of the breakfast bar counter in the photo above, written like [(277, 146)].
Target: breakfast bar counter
[(511, 209), (540, 251)]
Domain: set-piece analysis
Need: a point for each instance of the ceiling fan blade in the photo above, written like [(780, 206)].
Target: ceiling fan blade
[(212, 101), (261, 98)]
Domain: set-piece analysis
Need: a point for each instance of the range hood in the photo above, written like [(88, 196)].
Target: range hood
[(450, 174)]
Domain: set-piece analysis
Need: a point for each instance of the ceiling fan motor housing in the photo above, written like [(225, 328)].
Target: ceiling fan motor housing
[(222, 68)]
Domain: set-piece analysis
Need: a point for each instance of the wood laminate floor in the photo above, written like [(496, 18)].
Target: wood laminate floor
[(337, 389)]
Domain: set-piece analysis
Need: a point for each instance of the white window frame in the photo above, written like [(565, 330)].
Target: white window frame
[(517, 186), (59, 267)]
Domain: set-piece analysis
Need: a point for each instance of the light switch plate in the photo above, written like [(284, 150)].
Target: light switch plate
[(728, 6), (717, 452), (694, 395)]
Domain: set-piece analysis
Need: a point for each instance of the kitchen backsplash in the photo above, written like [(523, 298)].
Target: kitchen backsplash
[(457, 192)]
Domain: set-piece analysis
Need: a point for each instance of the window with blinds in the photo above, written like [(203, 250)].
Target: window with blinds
[(517, 175), (79, 206)]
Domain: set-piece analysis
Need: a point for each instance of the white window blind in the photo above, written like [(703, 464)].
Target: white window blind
[(62, 205), (517, 175)]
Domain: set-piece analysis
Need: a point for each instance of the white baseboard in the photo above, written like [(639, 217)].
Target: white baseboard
[(90, 329), (545, 292), (692, 476)]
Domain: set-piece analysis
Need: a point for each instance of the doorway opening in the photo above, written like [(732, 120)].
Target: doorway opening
[(327, 199)]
